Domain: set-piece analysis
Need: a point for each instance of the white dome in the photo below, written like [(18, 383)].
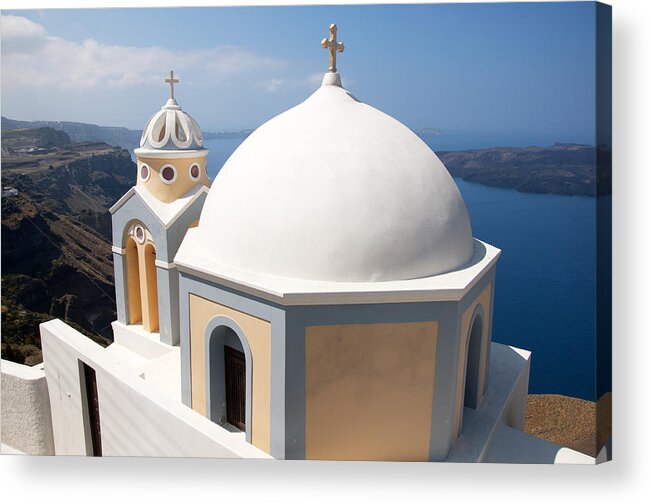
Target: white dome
[(335, 190), (171, 129)]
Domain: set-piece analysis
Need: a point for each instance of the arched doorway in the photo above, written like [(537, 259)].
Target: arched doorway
[(228, 375), (133, 282), (473, 363)]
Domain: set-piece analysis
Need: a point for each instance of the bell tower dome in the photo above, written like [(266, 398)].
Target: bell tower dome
[(171, 157)]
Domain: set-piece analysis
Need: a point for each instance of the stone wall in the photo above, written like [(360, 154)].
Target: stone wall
[(26, 420)]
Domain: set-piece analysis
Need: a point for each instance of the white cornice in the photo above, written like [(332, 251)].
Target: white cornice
[(450, 286)]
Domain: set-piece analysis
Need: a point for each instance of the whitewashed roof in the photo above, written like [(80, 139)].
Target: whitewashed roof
[(335, 190)]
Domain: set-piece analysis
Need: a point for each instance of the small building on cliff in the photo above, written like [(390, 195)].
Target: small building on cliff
[(323, 298)]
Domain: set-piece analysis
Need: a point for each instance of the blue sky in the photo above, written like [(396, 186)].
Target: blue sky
[(505, 69)]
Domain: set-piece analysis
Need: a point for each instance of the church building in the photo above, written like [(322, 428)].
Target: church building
[(322, 298)]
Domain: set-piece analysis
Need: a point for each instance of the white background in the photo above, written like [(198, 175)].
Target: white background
[(627, 479)]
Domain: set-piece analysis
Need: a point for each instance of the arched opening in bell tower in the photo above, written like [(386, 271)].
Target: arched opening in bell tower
[(142, 282), (150, 322), (133, 282)]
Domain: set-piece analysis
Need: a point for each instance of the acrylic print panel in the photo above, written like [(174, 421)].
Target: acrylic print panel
[(332, 247)]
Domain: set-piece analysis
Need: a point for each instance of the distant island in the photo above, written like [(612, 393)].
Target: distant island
[(428, 132), (566, 169), (207, 135)]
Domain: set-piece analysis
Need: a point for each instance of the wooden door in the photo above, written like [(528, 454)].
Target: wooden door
[(235, 368), (92, 402)]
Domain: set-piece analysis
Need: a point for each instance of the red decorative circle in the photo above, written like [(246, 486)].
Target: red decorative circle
[(144, 172), (168, 173), (194, 171)]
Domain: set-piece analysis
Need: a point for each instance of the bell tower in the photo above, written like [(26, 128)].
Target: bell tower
[(151, 219)]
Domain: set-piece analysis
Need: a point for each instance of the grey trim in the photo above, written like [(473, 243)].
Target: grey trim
[(184, 334), (278, 406), (465, 303), (123, 199), (295, 389), (168, 305), (444, 400), (120, 281), (489, 325), (215, 376)]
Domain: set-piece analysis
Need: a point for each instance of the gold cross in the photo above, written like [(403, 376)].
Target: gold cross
[(171, 81), (333, 46)]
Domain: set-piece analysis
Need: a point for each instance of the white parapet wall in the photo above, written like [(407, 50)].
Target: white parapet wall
[(26, 422), (136, 418)]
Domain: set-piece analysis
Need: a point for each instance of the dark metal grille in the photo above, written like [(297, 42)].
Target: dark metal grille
[(235, 368)]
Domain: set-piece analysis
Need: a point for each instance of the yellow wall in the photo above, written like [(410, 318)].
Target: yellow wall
[(258, 335), (180, 186), (369, 391), (483, 299)]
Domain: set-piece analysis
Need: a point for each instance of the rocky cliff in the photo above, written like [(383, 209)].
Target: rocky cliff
[(81, 132), (566, 169), (56, 251)]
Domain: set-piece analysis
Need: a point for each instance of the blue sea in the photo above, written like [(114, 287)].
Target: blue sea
[(546, 282)]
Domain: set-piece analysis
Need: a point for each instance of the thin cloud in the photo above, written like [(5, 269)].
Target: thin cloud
[(274, 84), (33, 59)]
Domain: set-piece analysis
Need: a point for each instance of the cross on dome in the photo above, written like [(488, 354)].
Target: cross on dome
[(171, 128), (333, 46), (171, 81)]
